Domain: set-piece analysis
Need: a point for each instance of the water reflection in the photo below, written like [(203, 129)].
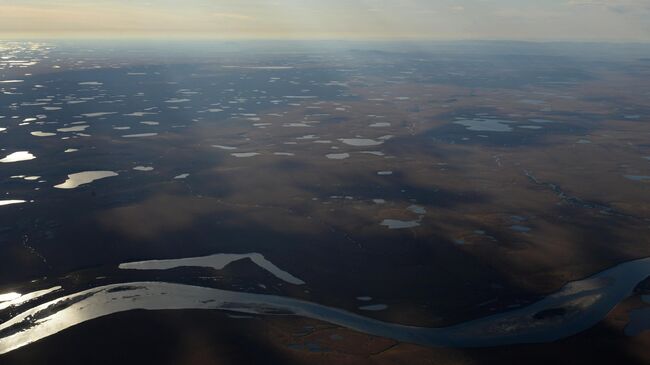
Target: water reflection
[(140, 135), (486, 125), (338, 156), (245, 154), (8, 297), (360, 142), (76, 128), (10, 202), (575, 308), (86, 177), (42, 134), (217, 262), (18, 156), (16, 299)]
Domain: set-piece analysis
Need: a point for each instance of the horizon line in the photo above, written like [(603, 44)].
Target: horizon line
[(11, 36)]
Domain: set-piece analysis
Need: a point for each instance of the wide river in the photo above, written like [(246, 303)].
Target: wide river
[(576, 307)]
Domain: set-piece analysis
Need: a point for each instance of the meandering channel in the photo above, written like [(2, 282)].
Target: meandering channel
[(576, 307)]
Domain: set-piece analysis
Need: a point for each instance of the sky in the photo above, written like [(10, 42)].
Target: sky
[(570, 20)]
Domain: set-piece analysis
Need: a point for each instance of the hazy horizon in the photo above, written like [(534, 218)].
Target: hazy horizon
[(556, 20)]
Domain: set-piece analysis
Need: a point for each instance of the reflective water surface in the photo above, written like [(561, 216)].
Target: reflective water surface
[(81, 178), (576, 307)]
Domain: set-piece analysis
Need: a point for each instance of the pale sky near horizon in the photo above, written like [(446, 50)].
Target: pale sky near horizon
[(588, 20)]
